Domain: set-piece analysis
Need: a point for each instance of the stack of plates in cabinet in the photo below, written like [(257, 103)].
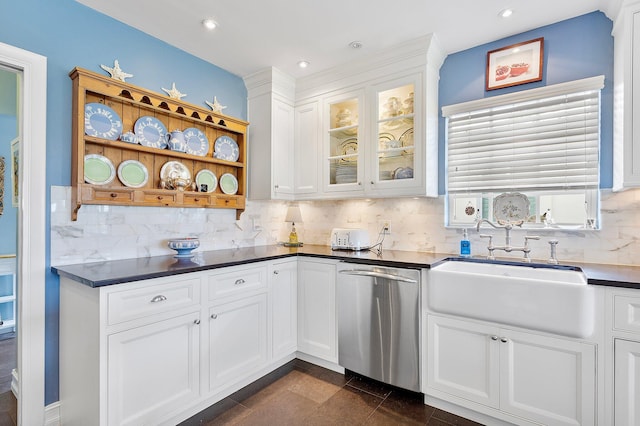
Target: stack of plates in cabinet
[(346, 172), (386, 175)]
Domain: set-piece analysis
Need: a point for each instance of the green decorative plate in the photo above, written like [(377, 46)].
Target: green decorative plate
[(98, 169)]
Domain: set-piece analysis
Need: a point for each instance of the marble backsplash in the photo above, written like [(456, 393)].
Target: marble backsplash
[(115, 232)]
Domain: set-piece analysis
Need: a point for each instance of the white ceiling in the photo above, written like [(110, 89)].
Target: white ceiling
[(255, 34)]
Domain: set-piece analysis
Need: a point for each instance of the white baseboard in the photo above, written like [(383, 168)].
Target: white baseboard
[(321, 362), (14, 382)]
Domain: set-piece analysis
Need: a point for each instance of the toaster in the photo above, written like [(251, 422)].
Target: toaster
[(350, 239)]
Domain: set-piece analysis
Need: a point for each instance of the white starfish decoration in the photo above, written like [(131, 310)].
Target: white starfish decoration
[(216, 106), (174, 93), (116, 72)]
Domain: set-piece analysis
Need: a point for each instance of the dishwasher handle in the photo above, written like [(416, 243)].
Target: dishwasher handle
[(368, 273)]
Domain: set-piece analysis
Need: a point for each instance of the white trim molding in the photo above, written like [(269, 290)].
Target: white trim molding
[(32, 208)]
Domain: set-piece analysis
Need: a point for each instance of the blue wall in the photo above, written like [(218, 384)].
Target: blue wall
[(573, 49), (70, 34), (9, 216)]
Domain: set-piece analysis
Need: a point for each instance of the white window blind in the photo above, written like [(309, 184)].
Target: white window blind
[(548, 139)]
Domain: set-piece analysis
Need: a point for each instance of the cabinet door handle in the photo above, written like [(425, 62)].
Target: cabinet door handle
[(239, 281), (214, 316), (373, 183), (196, 322), (494, 337), (504, 339), (275, 272), (158, 298), (276, 186)]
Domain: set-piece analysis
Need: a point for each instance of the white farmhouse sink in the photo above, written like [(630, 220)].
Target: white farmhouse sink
[(540, 298)]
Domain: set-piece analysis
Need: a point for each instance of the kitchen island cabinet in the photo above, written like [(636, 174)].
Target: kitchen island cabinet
[(155, 351)]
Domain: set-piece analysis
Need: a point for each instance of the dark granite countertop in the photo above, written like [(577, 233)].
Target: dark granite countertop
[(98, 274)]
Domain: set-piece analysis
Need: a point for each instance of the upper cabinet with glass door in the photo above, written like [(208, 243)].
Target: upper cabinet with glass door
[(344, 163), (393, 146)]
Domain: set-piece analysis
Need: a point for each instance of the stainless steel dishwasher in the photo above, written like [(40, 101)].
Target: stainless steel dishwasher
[(378, 323)]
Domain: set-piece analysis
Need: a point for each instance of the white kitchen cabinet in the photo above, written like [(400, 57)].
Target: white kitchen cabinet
[(237, 340), (523, 375), (153, 370), (307, 148), (317, 334), (130, 353), (283, 290), (627, 383), (271, 151), (626, 135)]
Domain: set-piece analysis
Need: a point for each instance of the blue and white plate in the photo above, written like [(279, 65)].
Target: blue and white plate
[(151, 132), (101, 121), (226, 148), (197, 142)]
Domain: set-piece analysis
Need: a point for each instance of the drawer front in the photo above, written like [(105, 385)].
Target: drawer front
[(238, 281), (112, 195), (199, 199), (626, 313), (162, 296)]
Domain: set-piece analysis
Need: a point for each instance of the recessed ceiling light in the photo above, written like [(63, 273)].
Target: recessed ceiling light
[(505, 13), (355, 44), (303, 64), (209, 24)]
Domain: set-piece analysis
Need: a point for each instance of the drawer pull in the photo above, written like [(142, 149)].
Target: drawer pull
[(494, 337), (196, 199), (275, 272), (158, 298), (196, 322), (504, 340), (113, 195), (160, 197), (214, 316), (239, 281)]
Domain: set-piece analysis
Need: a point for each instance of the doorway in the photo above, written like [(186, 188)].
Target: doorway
[(31, 87)]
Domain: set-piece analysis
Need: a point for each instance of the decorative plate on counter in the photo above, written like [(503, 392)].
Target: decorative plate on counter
[(208, 178), (98, 169), (101, 121), (226, 148), (133, 174), (229, 184), (151, 132), (511, 208), (197, 142)]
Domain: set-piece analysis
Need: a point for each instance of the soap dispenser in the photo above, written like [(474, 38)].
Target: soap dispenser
[(465, 245)]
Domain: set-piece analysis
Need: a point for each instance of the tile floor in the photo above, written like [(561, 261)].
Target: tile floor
[(300, 393)]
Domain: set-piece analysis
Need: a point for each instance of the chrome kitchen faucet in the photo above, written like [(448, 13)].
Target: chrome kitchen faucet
[(507, 247)]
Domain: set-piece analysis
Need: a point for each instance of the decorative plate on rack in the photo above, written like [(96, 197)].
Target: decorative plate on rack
[(197, 142), (133, 174), (349, 146), (208, 178), (511, 208), (175, 170), (101, 121), (406, 139), (151, 132), (226, 148), (229, 184), (387, 141), (98, 169)]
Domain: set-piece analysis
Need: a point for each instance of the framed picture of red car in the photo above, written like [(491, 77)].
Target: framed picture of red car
[(516, 64)]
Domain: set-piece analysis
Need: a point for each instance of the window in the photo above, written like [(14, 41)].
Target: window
[(542, 142)]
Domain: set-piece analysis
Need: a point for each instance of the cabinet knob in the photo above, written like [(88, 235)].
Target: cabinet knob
[(196, 322), (214, 316), (494, 337), (239, 281), (276, 186), (373, 183), (360, 183), (275, 272), (196, 199), (160, 197), (504, 339), (113, 195), (158, 298)]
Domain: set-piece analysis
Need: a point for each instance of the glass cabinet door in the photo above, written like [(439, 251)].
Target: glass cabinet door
[(344, 149), (395, 125)]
